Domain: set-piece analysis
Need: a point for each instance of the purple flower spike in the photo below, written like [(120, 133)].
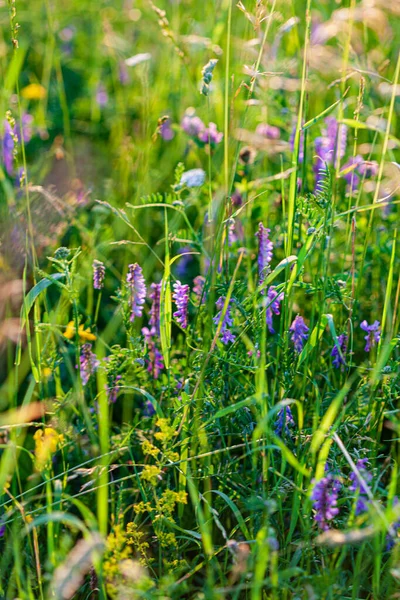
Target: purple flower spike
[(358, 486), (324, 496), (393, 539), (137, 287), (166, 131), (299, 333), (113, 388), (155, 296), (373, 334), (226, 335), (155, 362), (283, 421), (99, 272), (268, 131), (273, 306), (198, 288), (181, 297), (88, 363), (338, 359), (265, 248)]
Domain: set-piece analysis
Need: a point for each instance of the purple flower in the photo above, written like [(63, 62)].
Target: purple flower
[(198, 289), (101, 95), (8, 148), (329, 145), (236, 199), (338, 357), (166, 131), (235, 231), (359, 487), (99, 272), (181, 297), (155, 296), (226, 335), (268, 131), (184, 262), (273, 306), (291, 142), (352, 177), (149, 409), (392, 538), (368, 168), (265, 248), (299, 333), (373, 334), (210, 135), (137, 288), (283, 421), (193, 178), (88, 363), (324, 496), (191, 124), (2, 530), (155, 361), (113, 387)]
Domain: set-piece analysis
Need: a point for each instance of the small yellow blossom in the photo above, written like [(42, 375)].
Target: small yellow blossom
[(33, 91), (151, 473), (46, 443), (46, 372), (84, 334)]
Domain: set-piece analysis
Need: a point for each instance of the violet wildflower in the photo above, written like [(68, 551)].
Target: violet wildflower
[(373, 334), (265, 247), (191, 124), (392, 538), (166, 131), (2, 530), (273, 306), (226, 335), (332, 143), (349, 171), (181, 297), (184, 262), (137, 288), (101, 95), (155, 296), (338, 357), (9, 139), (211, 135), (368, 168), (324, 496), (268, 131), (88, 363), (155, 361), (113, 387), (198, 289), (99, 272), (284, 420), (299, 333), (359, 486)]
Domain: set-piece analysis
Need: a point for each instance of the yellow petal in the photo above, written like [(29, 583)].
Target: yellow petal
[(33, 91)]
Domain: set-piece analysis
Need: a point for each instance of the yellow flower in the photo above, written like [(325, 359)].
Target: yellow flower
[(46, 372), (46, 443), (84, 334), (33, 91)]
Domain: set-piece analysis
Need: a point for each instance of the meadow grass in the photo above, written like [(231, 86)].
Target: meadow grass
[(200, 284)]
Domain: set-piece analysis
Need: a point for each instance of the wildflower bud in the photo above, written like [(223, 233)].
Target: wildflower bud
[(99, 272)]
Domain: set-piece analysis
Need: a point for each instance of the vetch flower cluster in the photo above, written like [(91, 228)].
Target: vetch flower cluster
[(273, 302), (283, 421), (358, 486), (226, 335), (373, 334), (88, 363), (137, 289), (198, 131), (265, 248), (338, 357), (99, 272), (155, 361), (181, 298), (155, 296), (324, 496), (299, 333)]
